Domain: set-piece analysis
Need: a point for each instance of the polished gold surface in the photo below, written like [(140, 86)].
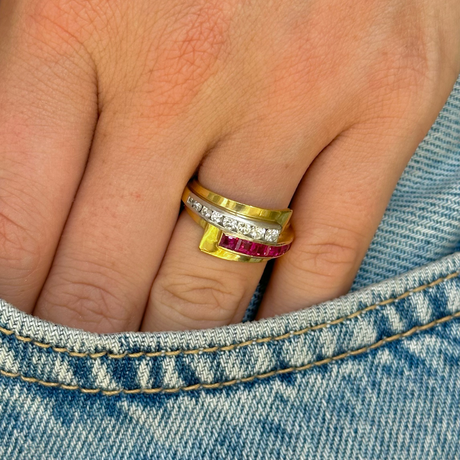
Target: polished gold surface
[(281, 217), (212, 234)]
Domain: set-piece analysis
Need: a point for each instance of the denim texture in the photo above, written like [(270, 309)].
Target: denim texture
[(373, 374), (421, 222)]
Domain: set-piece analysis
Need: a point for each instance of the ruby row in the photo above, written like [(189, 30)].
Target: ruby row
[(250, 248)]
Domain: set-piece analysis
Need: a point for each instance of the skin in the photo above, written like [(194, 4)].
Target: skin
[(107, 108)]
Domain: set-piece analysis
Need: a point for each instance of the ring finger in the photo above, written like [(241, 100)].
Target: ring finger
[(195, 290)]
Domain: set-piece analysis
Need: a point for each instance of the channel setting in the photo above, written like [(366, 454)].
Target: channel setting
[(241, 246), (237, 231), (229, 223)]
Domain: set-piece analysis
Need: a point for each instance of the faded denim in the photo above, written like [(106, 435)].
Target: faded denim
[(374, 374)]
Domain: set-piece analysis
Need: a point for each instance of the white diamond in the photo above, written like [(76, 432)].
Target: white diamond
[(243, 228), (272, 234), (190, 200), (217, 217), (206, 212), (230, 223), (197, 206), (257, 233)]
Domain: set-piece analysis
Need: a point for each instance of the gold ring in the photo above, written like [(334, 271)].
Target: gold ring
[(237, 231)]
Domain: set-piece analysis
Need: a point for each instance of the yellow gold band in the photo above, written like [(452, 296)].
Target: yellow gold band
[(280, 217), (237, 231)]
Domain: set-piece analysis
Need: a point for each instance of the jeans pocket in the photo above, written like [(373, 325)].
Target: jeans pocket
[(379, 365)]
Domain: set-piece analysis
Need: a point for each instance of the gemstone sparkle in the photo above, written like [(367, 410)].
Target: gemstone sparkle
[(206, 212), (217, 217), (197, 206), (251, 248), (230, 224), (272, 234), (257, 233), (244, 228)]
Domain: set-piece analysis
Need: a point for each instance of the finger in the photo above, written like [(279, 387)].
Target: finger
[(337, 209), (120, 224), (155, 84), (48, 111), (195, 290)]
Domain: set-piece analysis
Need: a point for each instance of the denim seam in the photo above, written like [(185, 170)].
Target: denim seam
[(9, 332), (211, 386)]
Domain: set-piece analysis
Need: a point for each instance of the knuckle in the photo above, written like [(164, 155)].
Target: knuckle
[(397, 96), (405, 71), (94, 302), (407, 67), (197, 40), (194, 298), (56, 31), (45, 21), (184, 59), (20, 251), (330, 257)]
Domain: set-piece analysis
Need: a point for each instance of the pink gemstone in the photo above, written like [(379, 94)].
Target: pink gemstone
[(243, 246), (262, 250), (266, 250), (250, 248), (228, 242), (277, 251), (254, 249), (274, 251), (238, 244)]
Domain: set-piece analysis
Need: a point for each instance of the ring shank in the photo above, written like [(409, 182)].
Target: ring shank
[(237, 231)]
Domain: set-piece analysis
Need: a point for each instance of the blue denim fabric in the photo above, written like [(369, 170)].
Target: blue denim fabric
[(374, 374)]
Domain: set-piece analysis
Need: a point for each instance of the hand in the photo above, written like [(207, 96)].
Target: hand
[(107, 108)]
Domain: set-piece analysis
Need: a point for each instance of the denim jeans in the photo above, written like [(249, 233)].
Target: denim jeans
[(373, 374)]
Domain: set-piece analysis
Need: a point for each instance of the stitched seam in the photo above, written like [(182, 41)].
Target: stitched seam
[(211, 386), (215, 349)]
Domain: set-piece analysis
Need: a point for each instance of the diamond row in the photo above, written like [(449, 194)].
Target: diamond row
[(233, 225)]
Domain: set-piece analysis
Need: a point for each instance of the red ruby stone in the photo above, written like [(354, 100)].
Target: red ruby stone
[(228, 242), (254, 249), (244, 246), (277, 251), (250, 248), (274, 251), (262, 250)]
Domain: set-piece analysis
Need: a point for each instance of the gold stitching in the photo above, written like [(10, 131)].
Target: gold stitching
[(235, 345), (208, 386)]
